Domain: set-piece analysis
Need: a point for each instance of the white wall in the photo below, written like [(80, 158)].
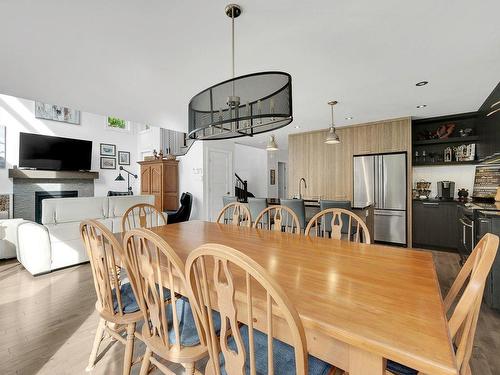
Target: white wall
[(18, 116), (250, 163), (148, 141), (462, 175)]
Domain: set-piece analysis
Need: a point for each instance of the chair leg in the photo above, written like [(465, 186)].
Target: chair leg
[(146, 362), (97, 341), (129, 349), (189, 368)]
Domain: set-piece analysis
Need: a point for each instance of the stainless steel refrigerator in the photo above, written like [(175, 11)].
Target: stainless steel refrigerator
[(381, 180)]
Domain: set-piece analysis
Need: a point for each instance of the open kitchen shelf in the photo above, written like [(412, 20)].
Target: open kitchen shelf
[(434, 148), (470, 138), (430, 164)]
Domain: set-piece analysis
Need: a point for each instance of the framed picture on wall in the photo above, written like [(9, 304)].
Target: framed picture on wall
[(272, 177), (107, 149), (123, 158), (108, 163)]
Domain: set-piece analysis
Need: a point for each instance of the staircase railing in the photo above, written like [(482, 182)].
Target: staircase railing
[(241, 189)]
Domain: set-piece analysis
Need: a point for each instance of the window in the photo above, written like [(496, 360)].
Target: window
[(117, 123)]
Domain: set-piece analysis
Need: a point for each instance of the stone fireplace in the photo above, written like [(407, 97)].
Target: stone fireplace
[(31, 187)]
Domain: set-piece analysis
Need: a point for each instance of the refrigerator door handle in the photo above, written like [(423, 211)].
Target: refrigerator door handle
[(390, 213), (378, 183)]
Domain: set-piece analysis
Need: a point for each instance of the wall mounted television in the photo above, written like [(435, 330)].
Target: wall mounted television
[(54, 153)]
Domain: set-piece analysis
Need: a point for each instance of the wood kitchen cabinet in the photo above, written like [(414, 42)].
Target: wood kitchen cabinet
[(435, 225), (160, 178)]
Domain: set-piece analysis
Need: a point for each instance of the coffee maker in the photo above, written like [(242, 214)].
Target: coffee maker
[(445, 189)]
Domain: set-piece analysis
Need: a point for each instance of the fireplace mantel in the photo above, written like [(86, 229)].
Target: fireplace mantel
[(52, 175)]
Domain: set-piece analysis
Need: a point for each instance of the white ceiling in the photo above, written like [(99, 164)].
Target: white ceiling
[(144, 60)]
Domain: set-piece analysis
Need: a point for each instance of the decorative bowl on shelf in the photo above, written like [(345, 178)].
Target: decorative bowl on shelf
[(424, 194)]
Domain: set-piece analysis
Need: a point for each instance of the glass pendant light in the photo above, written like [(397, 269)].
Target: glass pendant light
[(332, 137), (271, 144)]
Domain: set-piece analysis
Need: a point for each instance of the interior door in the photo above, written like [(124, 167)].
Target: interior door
[(220, 180)]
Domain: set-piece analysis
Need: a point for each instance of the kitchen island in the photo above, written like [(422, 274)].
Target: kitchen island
[(312, 206)]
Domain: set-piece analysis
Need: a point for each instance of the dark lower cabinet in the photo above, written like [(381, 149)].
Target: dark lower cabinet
[(490, 224), (435, 225)]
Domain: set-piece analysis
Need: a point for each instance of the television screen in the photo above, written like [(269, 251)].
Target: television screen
[(54, 153)]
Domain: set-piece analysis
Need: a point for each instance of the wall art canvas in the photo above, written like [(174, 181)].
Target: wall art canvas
[(107, 149), (123, 157), (272, 179), (56, 112), (3, 141), (108, 163)]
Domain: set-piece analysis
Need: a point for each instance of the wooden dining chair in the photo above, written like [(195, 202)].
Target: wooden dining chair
[(227, 280), (278, 218), (235, 213), (142, 215), (170, 333), (464, 312), (344, 224), (116, 304)]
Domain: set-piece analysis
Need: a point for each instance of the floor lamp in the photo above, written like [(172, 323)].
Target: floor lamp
[(120, 178)]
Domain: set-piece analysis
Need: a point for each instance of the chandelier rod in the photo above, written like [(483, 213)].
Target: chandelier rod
[(232, 43), (232, 36), (332, 113)]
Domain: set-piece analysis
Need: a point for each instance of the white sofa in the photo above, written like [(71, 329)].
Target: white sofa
[(57, 242), (8, 237)]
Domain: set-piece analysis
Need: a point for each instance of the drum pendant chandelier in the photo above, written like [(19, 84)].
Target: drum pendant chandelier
[(242, 106)]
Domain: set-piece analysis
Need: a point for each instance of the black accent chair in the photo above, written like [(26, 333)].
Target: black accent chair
[(184, 211)]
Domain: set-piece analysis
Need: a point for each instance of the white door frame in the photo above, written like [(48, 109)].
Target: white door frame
[(208, 178)]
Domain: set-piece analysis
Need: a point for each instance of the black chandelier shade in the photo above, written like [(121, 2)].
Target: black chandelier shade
[(243, 106)]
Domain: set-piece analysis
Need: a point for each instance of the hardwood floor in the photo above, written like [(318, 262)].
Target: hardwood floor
[(47, 323)]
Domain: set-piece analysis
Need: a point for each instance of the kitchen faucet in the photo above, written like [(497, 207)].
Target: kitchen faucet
[(300, 186)]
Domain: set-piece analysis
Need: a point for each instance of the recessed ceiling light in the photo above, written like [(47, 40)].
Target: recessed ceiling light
[(422, 83), (348, 118), (422, 106), (297, 127)]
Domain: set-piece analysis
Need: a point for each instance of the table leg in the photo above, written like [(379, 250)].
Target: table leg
[(362, 362)]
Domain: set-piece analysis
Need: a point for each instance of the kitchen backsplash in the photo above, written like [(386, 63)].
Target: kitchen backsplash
[(463, 175)]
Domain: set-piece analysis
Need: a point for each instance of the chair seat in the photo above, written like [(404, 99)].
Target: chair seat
[(187, 326), (399, 369), (284, 356), (129, 303)]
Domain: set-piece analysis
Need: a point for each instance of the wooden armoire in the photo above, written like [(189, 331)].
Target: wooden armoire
[(161, 179)]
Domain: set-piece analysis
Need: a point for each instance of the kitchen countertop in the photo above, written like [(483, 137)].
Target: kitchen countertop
[(484, 206), (362, 206), (437, 200)]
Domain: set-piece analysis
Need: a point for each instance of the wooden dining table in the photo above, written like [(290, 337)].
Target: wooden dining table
[(359, 304)]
